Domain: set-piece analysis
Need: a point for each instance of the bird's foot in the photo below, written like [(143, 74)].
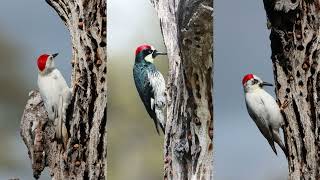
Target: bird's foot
[(284, 105)]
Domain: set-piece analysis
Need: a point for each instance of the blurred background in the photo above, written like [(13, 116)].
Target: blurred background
[(29, 28)]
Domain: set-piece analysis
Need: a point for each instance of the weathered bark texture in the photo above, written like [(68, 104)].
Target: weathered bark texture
[(187, 28), (295, 36), (85, 154)]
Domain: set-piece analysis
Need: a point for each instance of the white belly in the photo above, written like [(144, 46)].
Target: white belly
[(51, 87)]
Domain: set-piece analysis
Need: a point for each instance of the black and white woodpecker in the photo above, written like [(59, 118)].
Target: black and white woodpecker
[(150, 84), (264, 110), (55, 94)]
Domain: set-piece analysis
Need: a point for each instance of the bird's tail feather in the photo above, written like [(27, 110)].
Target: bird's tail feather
[(61, 133), (156, 125), (162, 128), (279, 142), (159, 118), (59, 120), (271, 140), (284, 149), (273, 146)]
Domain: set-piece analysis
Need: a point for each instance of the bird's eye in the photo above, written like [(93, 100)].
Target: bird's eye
[(147, 51), (255, 81)]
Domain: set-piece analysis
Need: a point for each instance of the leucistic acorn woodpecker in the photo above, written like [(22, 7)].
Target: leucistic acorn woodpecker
[(55, 94), (264, 110), (150, 83)]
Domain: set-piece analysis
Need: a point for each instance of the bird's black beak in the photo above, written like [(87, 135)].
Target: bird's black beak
[(266, 84), (156, 53), (55, 55)]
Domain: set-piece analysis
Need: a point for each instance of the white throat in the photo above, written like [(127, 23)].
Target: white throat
[(253, 88), (149, 58)]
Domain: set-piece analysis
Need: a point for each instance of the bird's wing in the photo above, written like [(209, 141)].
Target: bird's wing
[(146, 90), (152, 102), (157, 84), (61, 82), (64, 90), (260, 116), (46, 86)]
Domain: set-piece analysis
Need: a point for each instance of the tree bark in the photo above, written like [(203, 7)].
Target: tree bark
[(187, 28), (295, 36), (85, 154)]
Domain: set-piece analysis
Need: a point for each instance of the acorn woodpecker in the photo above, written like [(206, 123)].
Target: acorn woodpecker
[(264, 110), (150, 83), (55, 93)]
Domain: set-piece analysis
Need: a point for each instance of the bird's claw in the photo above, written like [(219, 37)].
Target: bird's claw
[(284, 105)]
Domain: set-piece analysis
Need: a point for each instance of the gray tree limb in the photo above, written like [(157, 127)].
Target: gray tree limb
[(85, 154), (187, 28), (295, 36)]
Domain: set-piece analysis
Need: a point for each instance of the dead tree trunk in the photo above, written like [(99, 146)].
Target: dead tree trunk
[(187, 28), (295, 37), (85, 154)]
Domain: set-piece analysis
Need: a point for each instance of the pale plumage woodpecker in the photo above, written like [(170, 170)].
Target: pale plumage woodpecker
[(150, 84), (55, 94), (264, 110)]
